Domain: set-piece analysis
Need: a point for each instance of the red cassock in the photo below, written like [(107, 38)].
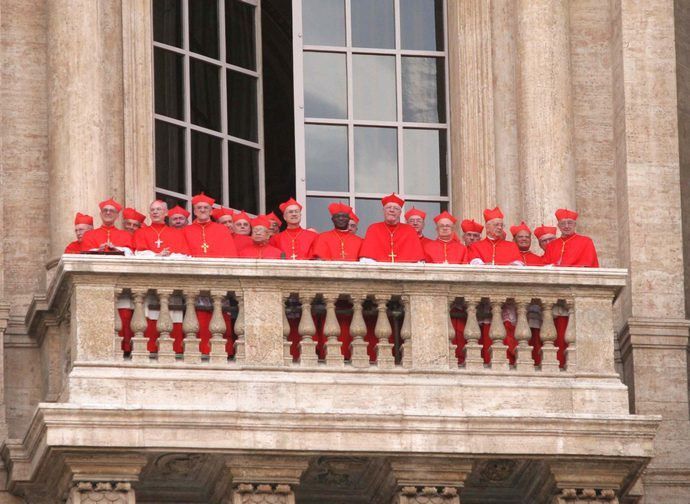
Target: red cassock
[(386, 243), (209, 240), (241, 241), (531, 259), (442, 252), (295, 243), (576, 250), (73, 248), (498, 252), (336, 245), (157, 237), (424, 240), (106, 234), (254, 251)]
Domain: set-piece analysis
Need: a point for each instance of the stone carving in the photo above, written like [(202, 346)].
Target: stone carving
[(498, 470), (586, 496), (87, 492), (175, 464), (337, 471), (263, 494), (428, 495)]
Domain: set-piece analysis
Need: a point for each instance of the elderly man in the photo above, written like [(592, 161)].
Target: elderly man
[(446, 248), (177, 217), (338, 244), (107, 238), (571, 249), (82, 224), (390, 240), (522, 236), (259, 247), (242, 230), (471, 232), (223, 215), (132, 220), (294, 241), (494, 249), (545, 235), (353, 225), (206, 238), (275, 224), (159, 239), (417, 219)]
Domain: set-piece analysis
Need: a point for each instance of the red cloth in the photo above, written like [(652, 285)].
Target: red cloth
[(450, 252), (383, 240), (217, 238), (241, 241), (254, 251), (146, 238), (96, 237), (177, 334), (424, 240), (126, 332), (531, 259), (152, 334), (561, 324), (295, 243), (499, 252), (576, 250), (336, 245), (204, 334), (229, 335), (73, 248)]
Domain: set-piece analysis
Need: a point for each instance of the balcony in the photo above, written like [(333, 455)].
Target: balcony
[(204, 380)]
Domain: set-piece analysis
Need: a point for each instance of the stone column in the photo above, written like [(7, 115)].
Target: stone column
[(426, 480), (103, 478), (590, 482), (265, 478), (544, 112), (4, 318)]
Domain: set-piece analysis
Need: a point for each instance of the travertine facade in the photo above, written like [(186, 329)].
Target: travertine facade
[(553, 103)]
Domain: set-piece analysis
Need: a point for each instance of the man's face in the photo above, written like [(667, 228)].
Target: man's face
[(260, 235), (352, 226), (494, 229), (80, 229), (202, 212), (226, 220), (131, 225), (275, 227), (444, 229), (391, 214), (545, 240), (242, 227), (157, 212), (178, 221), (341, 221), (109, 215), (523, 240), (292, 215), (567, 227), (417, 223), (471, 237)]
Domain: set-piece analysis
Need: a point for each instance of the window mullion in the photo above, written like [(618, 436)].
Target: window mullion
[(298, 66), (225, 181), (398, 92), (350, 106), (187, 103), (260, 106)]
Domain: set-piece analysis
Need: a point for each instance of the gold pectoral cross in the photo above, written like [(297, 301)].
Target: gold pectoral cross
[(392, 255), (158, 242), (293, 256), (204, 246)]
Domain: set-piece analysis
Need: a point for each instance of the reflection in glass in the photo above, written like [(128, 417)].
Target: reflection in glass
[(318, 216), (242, 113), (205, 94), (206, 165), (432, 209), (326, 157), (325, 92), (243, 174), (374, 87), (168, 83), (239, 34), (170, 157), (203, 27), (425, 162), (373, 24), (376, 160), (423, 89), (421, 25), (368, 211), (323, 22), (167, 22), (171, 201)]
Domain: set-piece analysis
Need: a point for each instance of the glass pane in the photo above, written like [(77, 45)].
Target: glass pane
[(172, 201), (167, 22), (170, 172), (205, 94), (168, 83), (425, 162), (240, 39), (242, 113), (432, 209), (325, 85), (373, 80), (376, 160), (318, 216), (323, 22), (326, 157), (373, 24), (243, 169), (203, 27), (421, 25), (423, 89), (368, 211), (206, 165)]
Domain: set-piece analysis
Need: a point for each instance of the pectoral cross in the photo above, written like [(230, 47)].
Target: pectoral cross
[(205, 247), (293, 256), (392, 255), (158, 242)]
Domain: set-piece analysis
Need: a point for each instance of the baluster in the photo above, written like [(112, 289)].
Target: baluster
[(240, 350), (571, 351), (383, 332), (217, 327), (452, 345), (190, 327), (287, 344), (358, 329), (138, 324), (473, 350), (496, 331), (406, 334), (165, 326), (549, 360), (331, 330), (118, 354), (307, 330), (523, 358)]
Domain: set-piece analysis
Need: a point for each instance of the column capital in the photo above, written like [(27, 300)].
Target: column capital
[(268, 469), (430, 472)]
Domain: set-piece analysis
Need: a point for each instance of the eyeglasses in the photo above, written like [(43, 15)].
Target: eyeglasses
[(108, 210)]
